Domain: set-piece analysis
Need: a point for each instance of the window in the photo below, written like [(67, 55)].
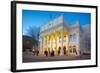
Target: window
[(70, 38), (74, 37)]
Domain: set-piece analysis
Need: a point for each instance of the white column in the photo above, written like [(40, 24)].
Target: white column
[(56, 51), (41, 46), (43, 49), (51, 43), (61, 43), (68, 44), (47, 42)]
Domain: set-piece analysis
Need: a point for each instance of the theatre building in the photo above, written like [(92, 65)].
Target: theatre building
[(61, 38)]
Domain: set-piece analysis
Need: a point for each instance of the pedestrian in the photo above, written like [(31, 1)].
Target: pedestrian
[(46, 53), (37, 52), (52, 53), (58, 52)]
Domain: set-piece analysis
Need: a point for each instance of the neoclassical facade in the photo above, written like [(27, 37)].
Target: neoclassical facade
[(59, 37)]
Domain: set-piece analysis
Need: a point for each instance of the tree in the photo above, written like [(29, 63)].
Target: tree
[(31, 32)]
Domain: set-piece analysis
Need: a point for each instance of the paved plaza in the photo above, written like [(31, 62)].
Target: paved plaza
[(30, 57)]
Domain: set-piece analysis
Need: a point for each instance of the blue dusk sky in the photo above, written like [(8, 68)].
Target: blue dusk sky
[(36, 19)]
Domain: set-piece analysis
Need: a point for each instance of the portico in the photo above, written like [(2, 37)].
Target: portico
[(54, 41)]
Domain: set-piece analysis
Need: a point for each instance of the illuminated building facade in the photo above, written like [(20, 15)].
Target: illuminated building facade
[(60, 38)]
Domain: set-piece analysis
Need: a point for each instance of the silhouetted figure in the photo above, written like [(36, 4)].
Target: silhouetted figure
[(58, 52), (37, 52), (52, 53), (46, 53)]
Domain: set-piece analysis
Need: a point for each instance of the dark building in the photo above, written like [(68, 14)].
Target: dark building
[(28, 43)]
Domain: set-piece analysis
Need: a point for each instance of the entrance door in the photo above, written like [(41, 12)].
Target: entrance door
[(74, 50)]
